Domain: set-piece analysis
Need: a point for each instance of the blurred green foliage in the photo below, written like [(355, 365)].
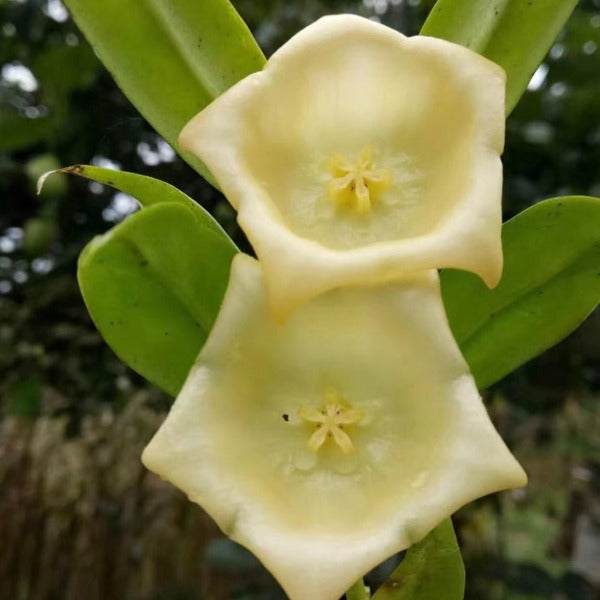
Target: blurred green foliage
[(58, 106)]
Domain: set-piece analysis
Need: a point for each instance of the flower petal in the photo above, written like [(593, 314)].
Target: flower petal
[(320, 516), (424, 115)]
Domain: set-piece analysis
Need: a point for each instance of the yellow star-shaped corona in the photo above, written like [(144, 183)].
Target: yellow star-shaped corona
[(330, 421), (357, 184)]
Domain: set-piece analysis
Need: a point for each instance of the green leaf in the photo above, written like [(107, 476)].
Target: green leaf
[(516, 34), (431, 570), (146, 190), (359, 591), (153, 286), (551, 282), (171, 58)]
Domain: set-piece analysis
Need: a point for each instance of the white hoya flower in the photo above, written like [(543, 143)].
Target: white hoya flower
[(335, 439), (359, 155)]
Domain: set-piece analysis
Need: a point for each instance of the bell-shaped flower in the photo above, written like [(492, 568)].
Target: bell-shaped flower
[(359, 155), (335, 439)]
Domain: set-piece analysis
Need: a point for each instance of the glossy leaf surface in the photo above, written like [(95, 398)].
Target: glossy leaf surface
[(148, 191), (153, 286), (551, 282), (516, 34), (431, 570), (171, 58)]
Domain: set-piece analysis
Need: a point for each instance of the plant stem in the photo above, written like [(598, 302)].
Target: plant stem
[(359, 591)]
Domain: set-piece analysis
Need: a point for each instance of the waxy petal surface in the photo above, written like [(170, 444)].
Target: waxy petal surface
[(359, 155), (378, 364)]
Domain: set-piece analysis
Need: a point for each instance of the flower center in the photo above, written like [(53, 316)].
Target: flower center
[(330, 421), (358, 184)]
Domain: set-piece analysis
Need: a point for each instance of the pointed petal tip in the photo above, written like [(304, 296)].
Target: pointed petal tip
[(492, 275)]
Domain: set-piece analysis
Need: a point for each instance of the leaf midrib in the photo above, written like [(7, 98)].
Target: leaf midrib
[(529, 292), (173, 287), (163, 23)]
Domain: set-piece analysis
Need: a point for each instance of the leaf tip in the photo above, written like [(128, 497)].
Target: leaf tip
[(72, 170), (42, 179)]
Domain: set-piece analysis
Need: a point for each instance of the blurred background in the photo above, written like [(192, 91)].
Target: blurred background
[(79, 516)]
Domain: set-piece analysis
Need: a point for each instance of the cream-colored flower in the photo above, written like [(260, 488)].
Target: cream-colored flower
[(329, 442), (359, 155)]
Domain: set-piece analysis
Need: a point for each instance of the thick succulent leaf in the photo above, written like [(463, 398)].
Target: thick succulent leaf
[(153, 286), (146, 190), (431, 569), (551, 282), (359, 591), (170, 58), (516, 34)]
